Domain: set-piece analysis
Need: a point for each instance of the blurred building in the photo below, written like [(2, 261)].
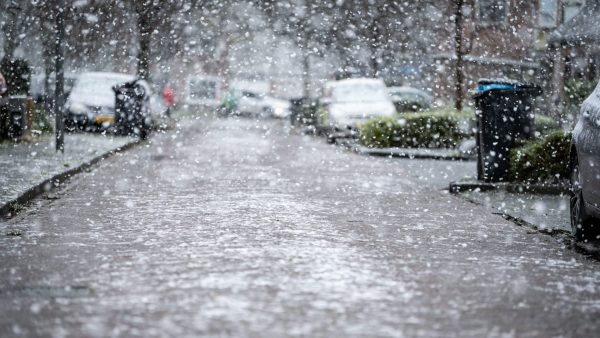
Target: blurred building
[(503, 39), (575, 47)]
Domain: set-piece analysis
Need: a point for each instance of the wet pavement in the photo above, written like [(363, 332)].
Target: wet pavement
[(24, 165), (240, 228), (549, 213)]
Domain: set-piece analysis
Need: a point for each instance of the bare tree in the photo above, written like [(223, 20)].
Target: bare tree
[(458, 50), (308, 23)]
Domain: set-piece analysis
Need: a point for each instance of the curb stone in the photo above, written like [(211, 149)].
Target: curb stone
[(591, 249), (8, 209), (400, 153), (542, 189)]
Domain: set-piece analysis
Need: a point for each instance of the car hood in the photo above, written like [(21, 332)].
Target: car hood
[(355, 113), (279, 103), (362, 110), (94, 100)]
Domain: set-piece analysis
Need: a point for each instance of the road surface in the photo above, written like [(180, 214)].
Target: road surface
[(242, 228)]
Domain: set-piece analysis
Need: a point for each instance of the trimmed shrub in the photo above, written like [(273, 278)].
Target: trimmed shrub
[(576, 91), (42, 121), (380, 132), (542, 160), (433, 129), (545, 125)]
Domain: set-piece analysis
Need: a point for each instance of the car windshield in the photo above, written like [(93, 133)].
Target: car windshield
[(98, 86), (407, 96), (359, 92)]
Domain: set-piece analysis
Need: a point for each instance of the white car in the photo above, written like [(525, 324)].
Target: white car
[(255, 104), (91, 103), (348, 103)]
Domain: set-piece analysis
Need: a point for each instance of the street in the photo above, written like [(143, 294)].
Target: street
[(238, 227)]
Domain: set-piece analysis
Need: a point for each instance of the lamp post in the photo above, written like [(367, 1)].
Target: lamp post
[(59, 95)]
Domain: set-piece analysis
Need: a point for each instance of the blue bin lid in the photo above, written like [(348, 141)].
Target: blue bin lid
[(495, 86), (488, 85), (484, 85)]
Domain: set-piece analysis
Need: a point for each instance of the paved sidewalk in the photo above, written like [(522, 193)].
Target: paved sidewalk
[(548, 213), (24, 165)]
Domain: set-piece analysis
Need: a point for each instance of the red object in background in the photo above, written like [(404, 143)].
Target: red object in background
[(169, 96)]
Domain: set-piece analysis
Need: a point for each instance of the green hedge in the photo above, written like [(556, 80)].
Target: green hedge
[(576, 91), (542, 160), (545, 125), (433, 129)]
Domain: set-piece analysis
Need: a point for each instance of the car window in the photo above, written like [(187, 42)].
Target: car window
[(359, 92), (408, 97)]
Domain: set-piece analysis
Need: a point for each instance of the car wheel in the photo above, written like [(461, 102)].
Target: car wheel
[(268, 112), (330, 138), (581, 225)]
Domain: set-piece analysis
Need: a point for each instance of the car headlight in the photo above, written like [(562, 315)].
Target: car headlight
[(78, 108), (281, 111)]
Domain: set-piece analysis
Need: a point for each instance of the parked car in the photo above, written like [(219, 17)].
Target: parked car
[(348, 103), (258, 104), (91, 103), (409, 99), (585, 170)]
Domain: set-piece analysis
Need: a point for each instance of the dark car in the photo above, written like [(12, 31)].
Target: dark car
[(585, 170), (409, 99)]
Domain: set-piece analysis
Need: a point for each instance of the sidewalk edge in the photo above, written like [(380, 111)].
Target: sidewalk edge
[(365, 151), (541, 189), (7, 209)]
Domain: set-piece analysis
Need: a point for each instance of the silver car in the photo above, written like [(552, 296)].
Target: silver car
[(585, 170)]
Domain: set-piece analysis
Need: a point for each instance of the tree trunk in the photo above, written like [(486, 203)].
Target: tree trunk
[(374, 63), (558, 79), (458, 39), (145, 31), (306, 73), (10, 30)]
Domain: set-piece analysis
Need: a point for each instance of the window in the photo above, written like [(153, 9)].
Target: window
[(548, 13), (493, 12), (570, 9)]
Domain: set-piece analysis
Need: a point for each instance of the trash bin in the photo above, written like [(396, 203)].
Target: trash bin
[(303, 111), (504, 117), (132, 113), (16, 117), (297, 111)]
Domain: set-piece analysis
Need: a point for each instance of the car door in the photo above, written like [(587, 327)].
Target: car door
[(589, 148)]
